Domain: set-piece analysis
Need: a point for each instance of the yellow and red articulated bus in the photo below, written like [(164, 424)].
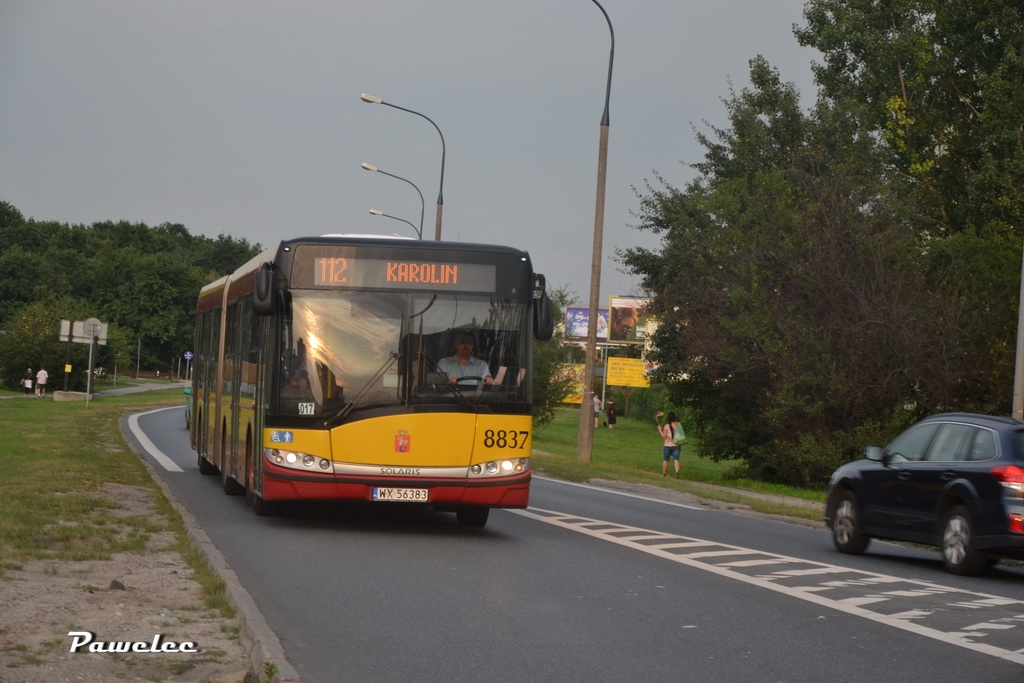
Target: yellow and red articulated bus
[(370, 368)]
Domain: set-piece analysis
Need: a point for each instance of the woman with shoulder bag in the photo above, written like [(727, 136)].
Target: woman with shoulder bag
[(669, 431)]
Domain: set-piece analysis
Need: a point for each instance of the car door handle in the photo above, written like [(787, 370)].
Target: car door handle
[(903, 475), (948, 476)]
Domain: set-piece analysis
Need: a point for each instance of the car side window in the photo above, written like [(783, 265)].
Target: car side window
[(952, 443), (911, 445), (984, 446)]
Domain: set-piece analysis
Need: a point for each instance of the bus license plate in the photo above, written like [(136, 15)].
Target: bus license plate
[(401, 495)]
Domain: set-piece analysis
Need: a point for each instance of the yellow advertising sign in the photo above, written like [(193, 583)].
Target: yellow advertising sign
[(627, 372), (574, 373)]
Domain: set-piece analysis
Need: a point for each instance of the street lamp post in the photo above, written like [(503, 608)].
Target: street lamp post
[(423, 205), (375, 212), (1018, 371), (586, 432), (440, 190)]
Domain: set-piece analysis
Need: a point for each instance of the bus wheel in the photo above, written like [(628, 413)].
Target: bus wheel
[(231, 485), (206, 467), (250, 475), (475, 517), (265, 508)]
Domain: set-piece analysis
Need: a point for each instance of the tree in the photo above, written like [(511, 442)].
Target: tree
[(222, 255), (550, 386), (847, 263), (791, 288), (32, 339), (142, 281), (939, 84)]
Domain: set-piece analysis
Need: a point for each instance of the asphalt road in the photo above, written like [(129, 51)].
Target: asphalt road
[(592, 585)]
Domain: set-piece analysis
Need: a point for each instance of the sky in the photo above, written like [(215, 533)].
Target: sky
[(244, 118)]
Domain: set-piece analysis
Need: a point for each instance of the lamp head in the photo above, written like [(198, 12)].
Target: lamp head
[(375, 212), (369, 167), (370, 98)]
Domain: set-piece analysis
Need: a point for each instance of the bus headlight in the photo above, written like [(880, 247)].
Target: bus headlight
[(297, 460), (500, 468)]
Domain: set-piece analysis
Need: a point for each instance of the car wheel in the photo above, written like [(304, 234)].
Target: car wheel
[(958, 551), (846, 533)]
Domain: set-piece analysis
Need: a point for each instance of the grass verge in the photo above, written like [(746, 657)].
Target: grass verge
[(55, 458), (631, 452)]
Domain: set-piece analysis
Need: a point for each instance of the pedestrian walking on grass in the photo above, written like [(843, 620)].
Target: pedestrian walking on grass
[(613, 415), (41, 378), (668, 431), (26, 382)]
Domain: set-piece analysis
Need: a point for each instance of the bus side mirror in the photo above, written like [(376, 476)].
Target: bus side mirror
[(262, 290), (543, 321)]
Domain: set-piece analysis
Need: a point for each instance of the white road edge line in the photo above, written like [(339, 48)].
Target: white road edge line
[(149, 446), (619, 493)]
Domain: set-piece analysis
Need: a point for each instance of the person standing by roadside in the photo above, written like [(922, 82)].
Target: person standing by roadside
[(597, 409), (612, 415), (668, 430), (26, 381), (41, 377)]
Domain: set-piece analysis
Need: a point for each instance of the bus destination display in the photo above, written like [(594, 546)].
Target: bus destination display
[(341, 271)]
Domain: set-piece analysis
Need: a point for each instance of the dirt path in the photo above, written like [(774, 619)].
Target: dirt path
[(131, 598)]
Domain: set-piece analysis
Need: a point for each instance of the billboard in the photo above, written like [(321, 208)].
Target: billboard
[(577, 320), (627, 323), (573, 372), (627, 372)]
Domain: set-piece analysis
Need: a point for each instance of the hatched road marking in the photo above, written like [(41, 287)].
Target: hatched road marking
[(984, 623)]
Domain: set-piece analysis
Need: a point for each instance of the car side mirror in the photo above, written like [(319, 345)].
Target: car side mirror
[(874, 453)]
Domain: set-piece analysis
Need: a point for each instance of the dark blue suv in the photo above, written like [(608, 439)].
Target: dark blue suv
[(954, 480)]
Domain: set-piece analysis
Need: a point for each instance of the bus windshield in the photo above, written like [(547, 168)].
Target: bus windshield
[(346, 351)]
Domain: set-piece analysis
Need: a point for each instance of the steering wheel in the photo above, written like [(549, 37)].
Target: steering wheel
[(477, 388)]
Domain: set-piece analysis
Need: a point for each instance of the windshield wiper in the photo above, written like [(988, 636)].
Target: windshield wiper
[(425, 309), (347, 409)]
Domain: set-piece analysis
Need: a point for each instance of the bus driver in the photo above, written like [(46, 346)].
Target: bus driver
[(465, 364)]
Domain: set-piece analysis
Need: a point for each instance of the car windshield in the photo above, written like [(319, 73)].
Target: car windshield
[(344, 350)]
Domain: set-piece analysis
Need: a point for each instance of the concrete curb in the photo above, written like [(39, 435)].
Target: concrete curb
[(256, 636)]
